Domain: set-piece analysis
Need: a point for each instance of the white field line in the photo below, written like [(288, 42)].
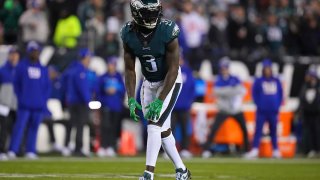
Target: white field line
[(82, 176), (77, 176)]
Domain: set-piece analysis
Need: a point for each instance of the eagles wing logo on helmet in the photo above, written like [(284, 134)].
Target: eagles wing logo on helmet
[(146, 13), (137, 4)]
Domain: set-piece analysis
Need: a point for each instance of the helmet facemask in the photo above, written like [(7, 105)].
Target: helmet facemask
[(146, 15)]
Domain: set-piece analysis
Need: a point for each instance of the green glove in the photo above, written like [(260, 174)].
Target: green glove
[(154, 109), (133, 104)]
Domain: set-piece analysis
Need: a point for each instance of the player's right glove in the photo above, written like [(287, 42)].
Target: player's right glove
[(154, 110), (133, 104)]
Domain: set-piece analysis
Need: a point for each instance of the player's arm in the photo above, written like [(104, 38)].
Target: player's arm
[(130, 73), (130, 81), (172, 59)]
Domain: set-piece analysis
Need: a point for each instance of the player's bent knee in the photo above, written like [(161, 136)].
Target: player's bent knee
[(166, 133)]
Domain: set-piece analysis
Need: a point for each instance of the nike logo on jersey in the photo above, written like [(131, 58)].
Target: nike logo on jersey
[(146, 48)]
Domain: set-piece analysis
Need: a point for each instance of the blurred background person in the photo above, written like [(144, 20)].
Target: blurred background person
[(309, 34), (194, 27), (114, 21), (8, 99), (64, 95), (284, 9), (309, 111), (64, 80), (111, 93), (229, 93), (32, 88), (92, 79), (78, 96), (240, 34), (55, 7), (267, 94), (9, 18), (110, 45), (34, 23), (56, 94), (88, 9), (217, 37), (181, 111), (274, 36), (96, 30), (67, 31)]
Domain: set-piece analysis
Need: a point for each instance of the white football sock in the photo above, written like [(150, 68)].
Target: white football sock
[(153, 144), (169, 145)]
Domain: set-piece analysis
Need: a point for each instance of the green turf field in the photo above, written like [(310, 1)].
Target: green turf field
[(131, 168)]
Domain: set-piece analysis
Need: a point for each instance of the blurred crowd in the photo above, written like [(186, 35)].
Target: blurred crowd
[(64, 24), (245, 30)]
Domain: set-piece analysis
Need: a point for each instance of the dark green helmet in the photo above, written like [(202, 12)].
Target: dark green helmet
[(146, 13)]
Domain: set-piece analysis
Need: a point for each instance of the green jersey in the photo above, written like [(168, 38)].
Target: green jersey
[(151, 53)]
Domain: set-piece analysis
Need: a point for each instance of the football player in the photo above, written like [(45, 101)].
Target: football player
[(153, 41)]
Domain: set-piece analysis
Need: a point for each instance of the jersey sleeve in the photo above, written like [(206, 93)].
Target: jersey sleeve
[(124, 31), (172, 30)]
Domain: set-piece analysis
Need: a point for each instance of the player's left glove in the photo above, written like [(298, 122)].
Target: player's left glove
[(133, 105), (153, 110)]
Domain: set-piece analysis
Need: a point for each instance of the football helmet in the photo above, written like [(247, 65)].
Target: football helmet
[(146, 13)]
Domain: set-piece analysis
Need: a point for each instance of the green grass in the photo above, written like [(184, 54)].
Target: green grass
[(131, 168)]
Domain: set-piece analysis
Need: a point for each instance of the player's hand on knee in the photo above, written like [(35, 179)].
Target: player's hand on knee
[(154, 110), (133, 105)]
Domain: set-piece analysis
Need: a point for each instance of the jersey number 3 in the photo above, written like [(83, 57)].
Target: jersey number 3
[(151, 65)]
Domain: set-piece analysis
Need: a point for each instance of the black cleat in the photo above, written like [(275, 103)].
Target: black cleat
[(183, 174)]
